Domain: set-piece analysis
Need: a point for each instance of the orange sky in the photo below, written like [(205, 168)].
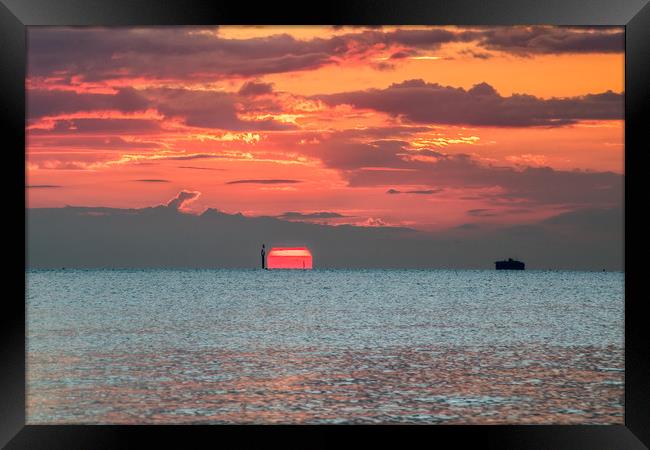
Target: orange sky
[(428, 127)]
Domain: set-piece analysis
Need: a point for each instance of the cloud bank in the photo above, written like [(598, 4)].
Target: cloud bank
[(165, 237), (430, 103)]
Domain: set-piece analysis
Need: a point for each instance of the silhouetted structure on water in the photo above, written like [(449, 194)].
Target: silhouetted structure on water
[(509, 264)]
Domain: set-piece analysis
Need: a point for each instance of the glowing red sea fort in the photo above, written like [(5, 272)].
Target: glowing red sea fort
[(289, 258)]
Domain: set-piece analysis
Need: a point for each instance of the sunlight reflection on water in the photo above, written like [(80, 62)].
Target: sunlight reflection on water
[(335, 346)]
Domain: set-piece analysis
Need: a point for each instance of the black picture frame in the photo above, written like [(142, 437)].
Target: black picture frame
[(15, 15)]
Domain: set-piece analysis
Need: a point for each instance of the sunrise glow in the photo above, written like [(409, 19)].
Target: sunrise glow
[(430, 128), (289, 258)]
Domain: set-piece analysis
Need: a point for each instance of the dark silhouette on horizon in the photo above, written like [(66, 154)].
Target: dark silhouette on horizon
[(263, 255), (161, 236), (509, 264)]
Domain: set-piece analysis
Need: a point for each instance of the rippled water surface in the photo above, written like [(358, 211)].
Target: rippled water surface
[(324, 346)]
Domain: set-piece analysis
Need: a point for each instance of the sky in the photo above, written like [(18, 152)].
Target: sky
[(429, 128)]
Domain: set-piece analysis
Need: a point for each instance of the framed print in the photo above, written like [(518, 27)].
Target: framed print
[(359, 217)]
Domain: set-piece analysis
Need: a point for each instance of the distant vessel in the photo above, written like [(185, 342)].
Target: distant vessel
[(289, 258), (509, 264)]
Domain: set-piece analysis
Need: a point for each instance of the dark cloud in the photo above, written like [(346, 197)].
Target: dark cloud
[(106, 125), (253, 88), (525, 185), (528, 41), (193, 52), (431, 103), (421, 192), (42, 103), (468, 226), (531, 185), (349, 155), (314, 215), (92, 54), (272, 181), (589, 220), (152, 180), (43, 186), (186, 52), (475, 54), (482, 212), (401, 55), (205, 109), (424, 192), (208, 110)]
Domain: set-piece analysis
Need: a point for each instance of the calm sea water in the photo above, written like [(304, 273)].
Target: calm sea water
[(324, 346)]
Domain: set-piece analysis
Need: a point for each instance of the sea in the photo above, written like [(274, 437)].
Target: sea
[(324, 347)]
